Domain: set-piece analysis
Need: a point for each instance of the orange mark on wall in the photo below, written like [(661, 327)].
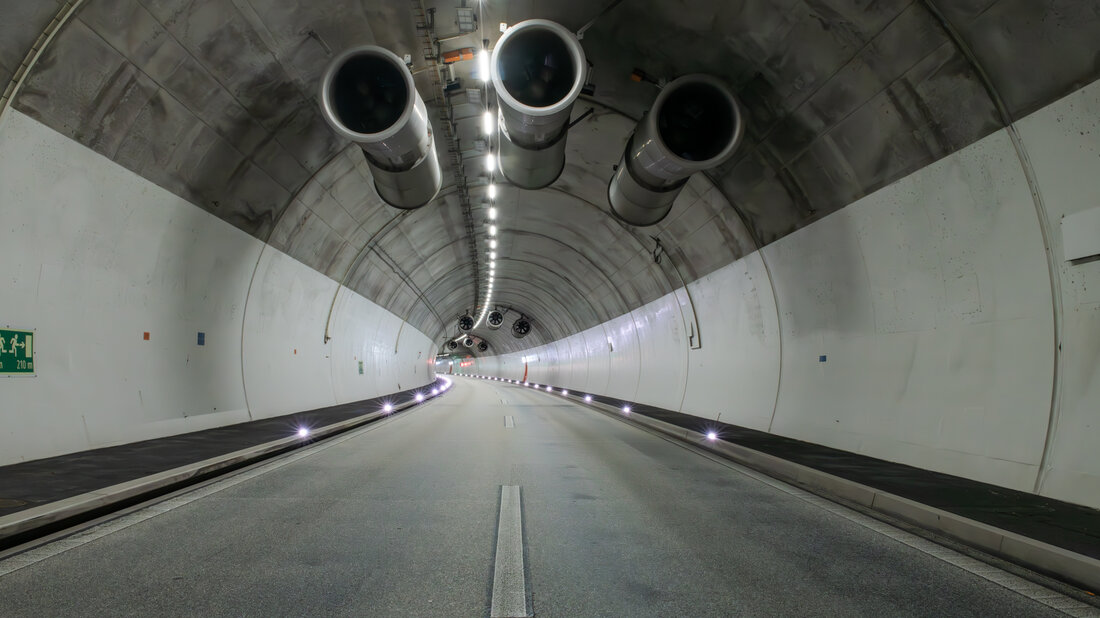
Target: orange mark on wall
[(524, 373), (145, 336)]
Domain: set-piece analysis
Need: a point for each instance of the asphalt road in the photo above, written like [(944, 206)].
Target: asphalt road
[(405, 518)]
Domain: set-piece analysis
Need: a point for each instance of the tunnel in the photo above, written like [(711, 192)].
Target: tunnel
[(670, 308)]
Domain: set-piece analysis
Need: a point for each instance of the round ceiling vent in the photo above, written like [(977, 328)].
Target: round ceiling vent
[(465, 323), (521, 328), (482, 347), (468, 342), (494, 320)]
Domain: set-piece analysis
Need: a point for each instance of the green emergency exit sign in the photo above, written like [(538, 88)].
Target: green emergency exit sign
[(16, 352)]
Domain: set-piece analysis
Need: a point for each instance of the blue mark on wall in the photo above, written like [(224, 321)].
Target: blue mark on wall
[(202, 339), (821, 359)]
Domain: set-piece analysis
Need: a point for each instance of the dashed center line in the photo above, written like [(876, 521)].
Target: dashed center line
[(509, 421), (510, 598)]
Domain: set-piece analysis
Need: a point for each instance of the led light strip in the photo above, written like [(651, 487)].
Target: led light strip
[(489, 126)]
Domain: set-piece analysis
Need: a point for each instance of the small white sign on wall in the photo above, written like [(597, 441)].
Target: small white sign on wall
[(1081, 234)]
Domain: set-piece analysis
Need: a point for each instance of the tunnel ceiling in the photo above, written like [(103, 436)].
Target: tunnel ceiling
[(215, 101)]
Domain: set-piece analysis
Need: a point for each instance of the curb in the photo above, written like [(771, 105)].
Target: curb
[(1075, 568)]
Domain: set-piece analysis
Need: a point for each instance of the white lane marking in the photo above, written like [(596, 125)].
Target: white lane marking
[(49, 550), (509, 579), (1036, 592), (509, 421)]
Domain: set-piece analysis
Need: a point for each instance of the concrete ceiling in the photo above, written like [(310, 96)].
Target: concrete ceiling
[(215, 100)]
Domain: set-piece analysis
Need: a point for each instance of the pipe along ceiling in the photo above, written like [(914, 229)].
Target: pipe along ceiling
[(443, 167)]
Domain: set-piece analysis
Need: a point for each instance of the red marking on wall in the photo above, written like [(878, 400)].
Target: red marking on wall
[(524, 373), (145, 337)]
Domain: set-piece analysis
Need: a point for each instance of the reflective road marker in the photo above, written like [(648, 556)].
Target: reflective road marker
[(509, 579), (97, 531)]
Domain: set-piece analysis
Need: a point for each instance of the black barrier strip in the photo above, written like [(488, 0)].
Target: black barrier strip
[(43, 481)]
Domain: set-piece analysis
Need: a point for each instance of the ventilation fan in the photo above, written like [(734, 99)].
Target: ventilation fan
[(521, 328), (465, 323), (481, 347), (468, 342), (494, 320), (452, 345)]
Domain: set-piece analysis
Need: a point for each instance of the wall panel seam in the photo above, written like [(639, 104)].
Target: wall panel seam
[(1044, 229)]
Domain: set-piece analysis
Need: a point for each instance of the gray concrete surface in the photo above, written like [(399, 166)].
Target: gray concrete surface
[(215, 102), (402, 520)]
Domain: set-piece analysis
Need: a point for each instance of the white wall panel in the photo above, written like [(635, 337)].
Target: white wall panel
[(493, 365), (565, 363), (624, 358), (541, 363), (286, 362), (734, 377), (598, 352), (506, 366), (365, 332), (355, 338), (536, 360), (533, 363), (578, 364), (554, 365), (662, 348), (918, 318), (92, 256), (515, 364), (1063, 142), (413, 355), (380, 350), (512, 367)]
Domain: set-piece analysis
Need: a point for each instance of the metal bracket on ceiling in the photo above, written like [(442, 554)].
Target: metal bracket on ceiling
[(640, 76), (580, 33), (581, 117), (316, 37), (658, 251)]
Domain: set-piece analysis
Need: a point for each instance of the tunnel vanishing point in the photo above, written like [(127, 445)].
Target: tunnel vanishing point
[(549, 308)]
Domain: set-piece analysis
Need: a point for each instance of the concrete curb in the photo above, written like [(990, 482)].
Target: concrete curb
[(1079, 569), (46, 514)]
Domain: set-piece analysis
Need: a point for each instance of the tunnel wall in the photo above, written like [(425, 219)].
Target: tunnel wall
[(93, 256), (915, 325)]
